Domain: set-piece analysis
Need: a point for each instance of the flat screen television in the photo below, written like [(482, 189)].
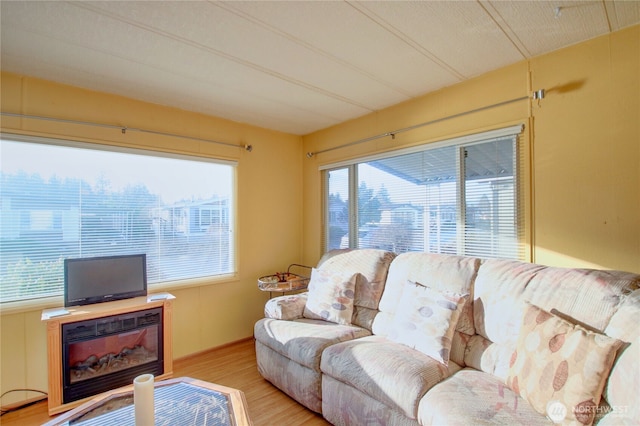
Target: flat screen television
[(103, 279)]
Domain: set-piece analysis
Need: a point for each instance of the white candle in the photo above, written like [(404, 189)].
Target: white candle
[(143, 400)]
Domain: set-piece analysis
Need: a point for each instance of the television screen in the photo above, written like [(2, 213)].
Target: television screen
[(103, 279)]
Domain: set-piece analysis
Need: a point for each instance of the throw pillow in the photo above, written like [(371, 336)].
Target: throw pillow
[(330, 296), (426, 320), (560, 364)]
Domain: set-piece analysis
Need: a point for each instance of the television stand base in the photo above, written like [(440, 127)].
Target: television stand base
[(88, 312)]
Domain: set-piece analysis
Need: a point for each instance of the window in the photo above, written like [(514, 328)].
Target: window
[(459, 197), (64, 199)]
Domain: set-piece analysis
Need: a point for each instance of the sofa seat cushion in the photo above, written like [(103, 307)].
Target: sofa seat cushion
[(299, 382), (474, 397), (303, 340), (343, 405), (389, 372)]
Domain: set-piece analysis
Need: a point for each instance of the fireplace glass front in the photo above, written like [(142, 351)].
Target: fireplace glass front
[(105, 353)]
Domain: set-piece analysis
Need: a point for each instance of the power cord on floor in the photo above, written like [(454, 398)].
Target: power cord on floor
[(19, 407)]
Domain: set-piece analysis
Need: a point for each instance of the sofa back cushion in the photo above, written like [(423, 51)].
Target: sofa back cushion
[(590, 298), (498, 298), (585, 296), (371, 267), (623, 386), (445, 273)]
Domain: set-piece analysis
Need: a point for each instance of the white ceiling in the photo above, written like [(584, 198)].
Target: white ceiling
[(297, 66)]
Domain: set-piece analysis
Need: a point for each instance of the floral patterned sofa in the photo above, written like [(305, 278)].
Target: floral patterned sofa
[(427, 339)]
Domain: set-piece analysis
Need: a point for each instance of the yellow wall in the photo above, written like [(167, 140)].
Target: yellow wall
[(582, 149), (269, 233), (587, 154), (582, 145)]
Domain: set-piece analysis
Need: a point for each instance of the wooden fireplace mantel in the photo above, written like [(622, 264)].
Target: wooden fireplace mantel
[(56, 317)]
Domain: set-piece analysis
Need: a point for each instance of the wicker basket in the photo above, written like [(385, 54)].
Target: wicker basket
[(283, 281)]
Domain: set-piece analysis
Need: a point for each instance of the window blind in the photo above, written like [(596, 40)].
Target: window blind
[(492, 220), (62, 199), (458, 197)]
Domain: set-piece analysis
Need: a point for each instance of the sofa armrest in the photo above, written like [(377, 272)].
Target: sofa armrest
[(286, 307)]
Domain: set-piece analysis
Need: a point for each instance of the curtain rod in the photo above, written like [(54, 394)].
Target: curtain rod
[(539, 94), (124, 129)]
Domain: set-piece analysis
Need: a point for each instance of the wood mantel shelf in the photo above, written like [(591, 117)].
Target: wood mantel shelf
[(55, 318)]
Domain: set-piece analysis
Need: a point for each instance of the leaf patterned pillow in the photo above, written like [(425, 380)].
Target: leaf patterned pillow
[(562, 364), (331, 296), (426, 320)]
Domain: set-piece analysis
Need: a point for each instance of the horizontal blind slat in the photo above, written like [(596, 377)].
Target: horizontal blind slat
[(84, 202), (414, 200)]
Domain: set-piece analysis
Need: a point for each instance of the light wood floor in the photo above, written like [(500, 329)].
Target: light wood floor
[(234, 366)]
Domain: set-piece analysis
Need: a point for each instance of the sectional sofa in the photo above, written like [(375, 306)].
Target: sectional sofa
[(431, 339)]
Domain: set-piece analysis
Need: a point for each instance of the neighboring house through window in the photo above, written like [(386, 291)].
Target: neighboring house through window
[(62, 199), (461, 196)]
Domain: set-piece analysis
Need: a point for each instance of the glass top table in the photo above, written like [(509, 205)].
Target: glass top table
[(176, 401)]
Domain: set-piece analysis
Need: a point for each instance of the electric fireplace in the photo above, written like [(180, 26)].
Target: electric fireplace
[(104, 353)]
